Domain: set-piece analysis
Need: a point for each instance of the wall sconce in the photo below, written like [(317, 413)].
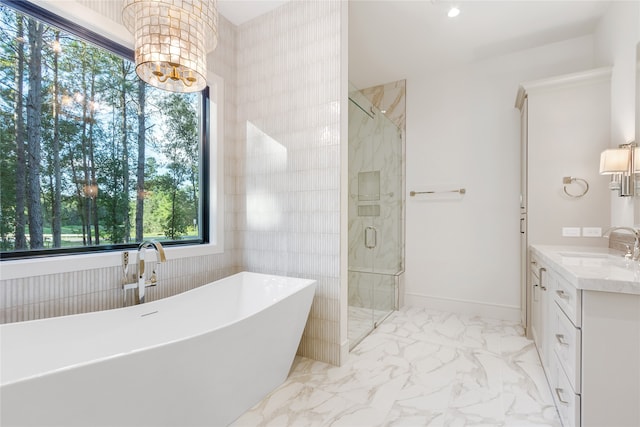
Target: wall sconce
[(172, 38), (622, 165)]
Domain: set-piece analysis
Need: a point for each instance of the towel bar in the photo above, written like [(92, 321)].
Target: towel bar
[(459, 190)]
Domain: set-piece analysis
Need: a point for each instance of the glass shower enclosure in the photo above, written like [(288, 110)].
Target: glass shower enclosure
[(375, 216)]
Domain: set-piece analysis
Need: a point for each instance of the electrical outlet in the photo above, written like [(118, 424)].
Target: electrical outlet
[(592, 231), (570, 231)]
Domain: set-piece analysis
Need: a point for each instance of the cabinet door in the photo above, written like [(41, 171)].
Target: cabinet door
[(525, 293), (610, 355), (546, 301), (523, 156), (536, 299), (541, 288)]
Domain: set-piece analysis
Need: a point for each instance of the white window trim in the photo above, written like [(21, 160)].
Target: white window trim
[(20, 268)]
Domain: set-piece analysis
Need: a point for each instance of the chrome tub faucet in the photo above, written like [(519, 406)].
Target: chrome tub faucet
[(144, 281)]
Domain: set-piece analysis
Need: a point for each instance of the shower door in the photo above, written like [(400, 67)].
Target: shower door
[(375, 213)]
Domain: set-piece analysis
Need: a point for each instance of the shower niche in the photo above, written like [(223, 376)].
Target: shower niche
[(376, 212)]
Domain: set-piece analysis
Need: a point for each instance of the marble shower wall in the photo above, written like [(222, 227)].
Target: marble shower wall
[(39, 297), (288, 203), (375, 199), (390, 98)]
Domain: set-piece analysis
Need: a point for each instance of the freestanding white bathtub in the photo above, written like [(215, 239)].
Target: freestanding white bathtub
[(200, 358)]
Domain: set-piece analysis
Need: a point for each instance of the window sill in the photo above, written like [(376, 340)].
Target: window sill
[(21, 268)]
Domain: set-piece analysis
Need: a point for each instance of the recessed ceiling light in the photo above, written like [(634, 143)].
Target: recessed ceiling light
[(453, 12)]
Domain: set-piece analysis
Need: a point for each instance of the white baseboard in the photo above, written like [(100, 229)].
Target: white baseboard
[(473, 308)]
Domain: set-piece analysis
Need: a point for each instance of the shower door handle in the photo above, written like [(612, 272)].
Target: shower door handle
[(370, 237)]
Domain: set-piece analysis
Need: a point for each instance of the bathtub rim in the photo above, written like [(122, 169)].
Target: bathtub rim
[(304, 285)]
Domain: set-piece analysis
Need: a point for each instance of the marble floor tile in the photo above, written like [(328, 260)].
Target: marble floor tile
[(418, 368), (361, 321)]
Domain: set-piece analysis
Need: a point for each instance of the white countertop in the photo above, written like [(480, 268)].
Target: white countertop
[(592, 269)]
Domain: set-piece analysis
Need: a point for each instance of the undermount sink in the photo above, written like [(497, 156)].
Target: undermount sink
[(594, 259), (588, 255), (609, 261)]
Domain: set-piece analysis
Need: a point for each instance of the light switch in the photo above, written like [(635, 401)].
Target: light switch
[(570, 231), (592, 231)]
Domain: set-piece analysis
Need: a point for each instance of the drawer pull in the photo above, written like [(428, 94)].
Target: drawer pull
[(562, 294), (559, 394), (561, 340), (540, 271)]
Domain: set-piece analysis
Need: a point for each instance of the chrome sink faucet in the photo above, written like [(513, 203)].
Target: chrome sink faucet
[(636, 235)]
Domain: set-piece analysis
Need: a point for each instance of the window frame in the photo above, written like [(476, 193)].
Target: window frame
[(101, 31)]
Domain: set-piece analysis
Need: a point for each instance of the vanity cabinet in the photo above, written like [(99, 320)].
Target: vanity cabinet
[(610, 359), (564, 126), (541, 290), (565, 364), (595, 374), (589, 342)]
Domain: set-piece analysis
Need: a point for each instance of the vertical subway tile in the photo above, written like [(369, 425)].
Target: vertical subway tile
[(282, 77), (280, 93)]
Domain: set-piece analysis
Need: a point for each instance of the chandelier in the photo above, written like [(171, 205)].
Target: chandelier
[(172, 39)]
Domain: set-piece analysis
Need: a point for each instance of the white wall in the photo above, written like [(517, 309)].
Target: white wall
[(463, 131), (616, 38), (568, 128)]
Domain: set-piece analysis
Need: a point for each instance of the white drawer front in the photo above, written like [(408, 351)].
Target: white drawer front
[(569, 299), (567, 402), (566, 340)]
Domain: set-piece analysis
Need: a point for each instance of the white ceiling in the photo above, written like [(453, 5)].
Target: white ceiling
[(391, 40)]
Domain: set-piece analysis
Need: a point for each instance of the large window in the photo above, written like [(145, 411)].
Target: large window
[(91, 158)]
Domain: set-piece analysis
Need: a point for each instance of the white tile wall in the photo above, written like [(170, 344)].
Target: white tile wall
[(281, 74), (289, 123)]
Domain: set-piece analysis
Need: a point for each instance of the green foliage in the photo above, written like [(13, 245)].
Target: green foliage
[(90, 105), (7, 188)]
